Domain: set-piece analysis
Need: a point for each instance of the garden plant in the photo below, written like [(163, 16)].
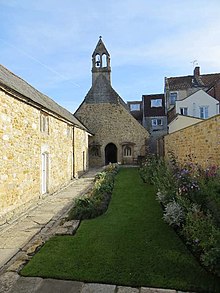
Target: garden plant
[(128, 245), (190, 197)]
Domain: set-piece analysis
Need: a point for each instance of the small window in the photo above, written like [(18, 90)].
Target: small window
[(135, 107), (204, 112), (127, 151), (44, 123), (69, 131), (95, 151), (173, 98), (156, 103), (157, 122), (184, 111)]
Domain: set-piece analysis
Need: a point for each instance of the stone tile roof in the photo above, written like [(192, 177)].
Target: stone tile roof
[(14, 84), (185, 82), (102, 92)]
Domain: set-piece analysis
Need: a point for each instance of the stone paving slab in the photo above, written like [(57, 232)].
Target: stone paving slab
[(59, 286), (98, 288), (26, 285), (7, 254), (127, 290)]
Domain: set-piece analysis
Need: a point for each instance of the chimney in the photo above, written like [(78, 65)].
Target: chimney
[(197, 71)]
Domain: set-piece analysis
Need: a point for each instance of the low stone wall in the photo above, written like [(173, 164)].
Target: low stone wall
[(199, 143)]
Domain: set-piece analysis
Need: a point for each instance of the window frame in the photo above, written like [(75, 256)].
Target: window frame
[(127, 151), (204, 112), (155, 105), (156, 120), (172, 102), (44, 122), (137, 104), (185, 111)]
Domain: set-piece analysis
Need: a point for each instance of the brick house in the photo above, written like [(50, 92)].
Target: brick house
[(118, 137), (42, 145)]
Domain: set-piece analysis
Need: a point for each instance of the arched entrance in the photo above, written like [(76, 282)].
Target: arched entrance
[(110, 153)]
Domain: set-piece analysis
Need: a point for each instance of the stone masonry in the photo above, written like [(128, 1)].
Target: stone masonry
[(199, 143)]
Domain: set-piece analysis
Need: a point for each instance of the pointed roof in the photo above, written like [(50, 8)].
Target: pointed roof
[(102, 92), (13, 84), (100, 48)]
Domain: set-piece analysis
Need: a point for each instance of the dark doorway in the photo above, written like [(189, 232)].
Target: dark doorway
[(110, 153)]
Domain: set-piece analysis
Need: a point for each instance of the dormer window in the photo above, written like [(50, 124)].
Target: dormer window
[(135, 107), (156, 103)]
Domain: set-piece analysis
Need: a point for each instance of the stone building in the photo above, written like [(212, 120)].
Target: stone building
[(117, 136), (42, 145)]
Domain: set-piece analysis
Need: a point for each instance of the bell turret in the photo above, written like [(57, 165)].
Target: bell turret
[(101, 62)]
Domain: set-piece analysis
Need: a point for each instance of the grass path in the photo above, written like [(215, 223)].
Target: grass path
[(128, 245)]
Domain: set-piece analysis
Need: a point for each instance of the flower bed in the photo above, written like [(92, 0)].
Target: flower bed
[(96, 201), (190, 197)]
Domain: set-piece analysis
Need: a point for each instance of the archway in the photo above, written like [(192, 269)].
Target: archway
[(110, 153)]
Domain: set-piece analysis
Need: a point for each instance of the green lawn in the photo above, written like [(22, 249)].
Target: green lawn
[(128, 245)]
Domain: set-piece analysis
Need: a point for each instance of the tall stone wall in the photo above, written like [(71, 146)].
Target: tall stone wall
[(21, 147), (199, 143), (80, 152), (112, 123)]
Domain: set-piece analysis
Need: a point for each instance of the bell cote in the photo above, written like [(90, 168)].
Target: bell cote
[(101, 62)]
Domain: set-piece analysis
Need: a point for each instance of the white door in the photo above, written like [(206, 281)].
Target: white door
[(44, 177)]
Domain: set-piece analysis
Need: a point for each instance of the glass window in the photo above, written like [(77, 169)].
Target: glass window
[(204, 112), (127, 151), (135, 107), (156, 103), (173, 98), (156, 122), (44, 123), (184, 111)]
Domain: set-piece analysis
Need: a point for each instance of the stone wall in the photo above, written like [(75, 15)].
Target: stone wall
[(199, 143), (112, 123), (80, 152), (22, 144)]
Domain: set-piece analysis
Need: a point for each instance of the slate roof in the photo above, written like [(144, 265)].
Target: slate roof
[(12, 83), (185, 82), (102, 92)]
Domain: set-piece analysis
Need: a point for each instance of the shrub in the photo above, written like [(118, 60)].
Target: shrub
[(96, 201), (203, 236), (174, 214)]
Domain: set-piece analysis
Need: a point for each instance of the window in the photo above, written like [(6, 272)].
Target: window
[(204, 112), (173, 98), (69, 131), (135, 107), (184, 111), (157, 122), (127, 151), (44, 123), (156, 103)]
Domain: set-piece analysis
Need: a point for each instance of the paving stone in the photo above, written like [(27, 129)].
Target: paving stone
[(26, 285), (59, 286), (122, 289), (7, 254), (7, 280), (156, 290), (98, 288)]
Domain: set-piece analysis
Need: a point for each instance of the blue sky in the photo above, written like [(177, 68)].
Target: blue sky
[(49, 43)]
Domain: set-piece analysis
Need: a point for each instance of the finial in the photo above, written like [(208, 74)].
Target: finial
[(100, 37)]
